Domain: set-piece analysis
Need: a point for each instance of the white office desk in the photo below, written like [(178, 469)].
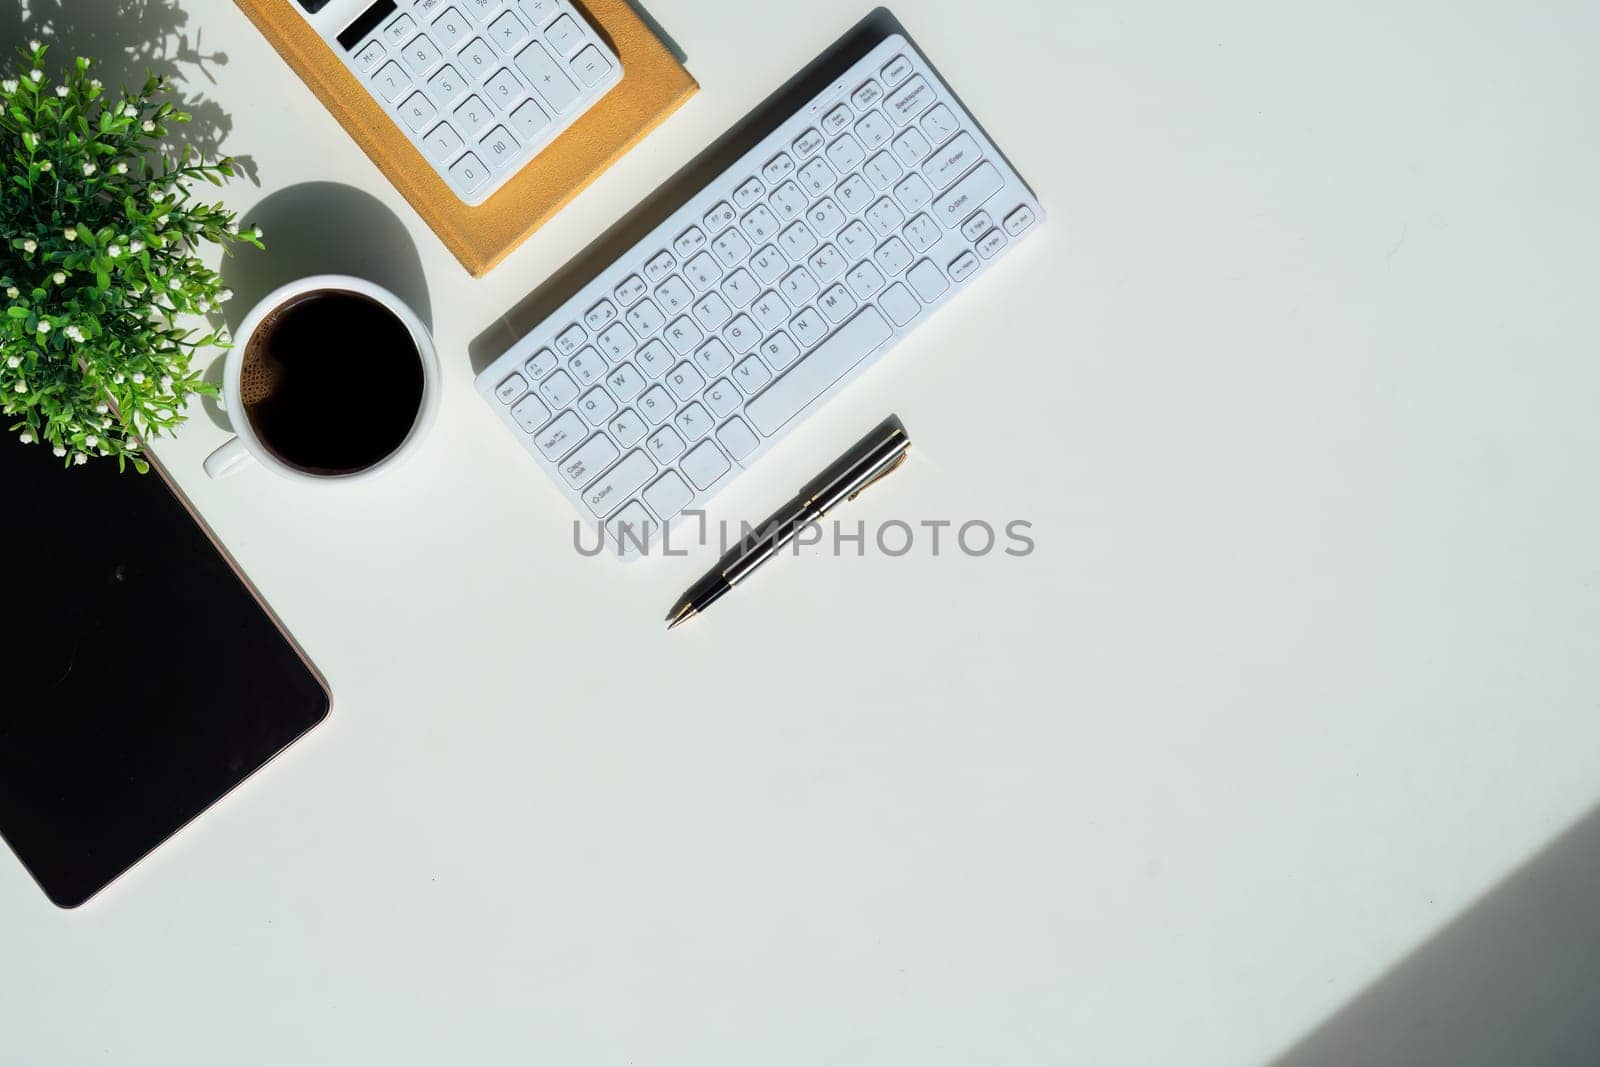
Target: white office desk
[(1298, 389)]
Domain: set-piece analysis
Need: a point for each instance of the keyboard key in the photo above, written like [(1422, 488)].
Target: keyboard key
[(391, 81), (442, 143), (883, 170), (787, 200), (912, 192), (589, 460), (571, 339), (559, 389), (749, 193), (951, 161), (808, 327), (857, 240), (976, 226), (702, 271), (666, 445), (564, 36), (908, 101), (736, 437), (630, 529), (722, 398), (779, 350), (836, 303), (939, 123), (530, 413), (645, 318), (979, 185), (682, 334), (927, 281), (769, 264), (770, 311), (369, 55), (922, 232), (807, 379), (807, 143), (654, 359), (479, 59), (600, 314), (898, 303), (668, 495), (548, 79), (619, 483), (625, 382), (873, 130), (740, 288), (615, 341), (989, 244), (868, 94), (597, 406), (825, 217), (660, 266), (730, 247), (472, 116), (503, 88), (713, 357), (541, 363), (719, 216), (446, 85), (864, 279), (836, 120), (895, 71), (751, 375), (469, 173), (910, 147), (689, 242), (655, 405), (685, 381), (797, 241), (591, 66), (711, 311), (815, 177), (846, 153), (826, 263), (513, 386), (884, 217), (529, 120), (587, 366), (674, 295), (450, 27), (798, 286), (626, 428), (760, 223), (418, 111), (962, 266), (1019, 220), (419, 54), (706, 464), (893, 256), (693, 422), (742, 334), (499, 148), (854, 193), (629, 289), (558, 438), (778, 168)]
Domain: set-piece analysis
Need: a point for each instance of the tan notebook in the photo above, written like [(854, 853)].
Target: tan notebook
[(654, 85)]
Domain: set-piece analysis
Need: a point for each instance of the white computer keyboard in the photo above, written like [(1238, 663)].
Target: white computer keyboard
[(479, 86), (770, 290)]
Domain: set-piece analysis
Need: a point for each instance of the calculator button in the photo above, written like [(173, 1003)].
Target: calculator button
[(529, 119), (558, 438), (442, 143), (450, 27), (539, 11), (446, 85), (512, 387), (736, 437), (418, 111), (420, 54), (508, 31), (547, 78), (503, 88), (530, 413), (591, 65), (469, 173), (500, 148), (479, 59), (472, 116), (619, 483), (368, 57), (483, 10), (564, 35), (706, 464), (589, 460), (391, 81), (399, 31), (667, 495)]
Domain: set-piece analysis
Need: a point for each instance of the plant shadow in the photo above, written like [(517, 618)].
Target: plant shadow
[(129, 40)]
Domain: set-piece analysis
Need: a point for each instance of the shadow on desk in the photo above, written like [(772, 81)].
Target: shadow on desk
[(681, 187), (129, 40), (1515, 980)]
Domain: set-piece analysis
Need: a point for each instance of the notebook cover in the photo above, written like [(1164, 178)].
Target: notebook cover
[(654, 85)]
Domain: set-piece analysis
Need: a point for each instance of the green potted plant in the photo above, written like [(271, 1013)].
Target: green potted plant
[(100, 238)]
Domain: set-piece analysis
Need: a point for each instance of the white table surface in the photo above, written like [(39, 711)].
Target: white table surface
[(1298, 389)]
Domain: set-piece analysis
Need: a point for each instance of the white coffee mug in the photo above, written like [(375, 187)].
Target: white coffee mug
[(246, 446)]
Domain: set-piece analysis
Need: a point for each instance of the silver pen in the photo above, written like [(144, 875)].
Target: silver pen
[(875, 456)]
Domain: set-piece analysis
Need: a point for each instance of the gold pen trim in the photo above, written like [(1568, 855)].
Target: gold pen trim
[(881, 475)]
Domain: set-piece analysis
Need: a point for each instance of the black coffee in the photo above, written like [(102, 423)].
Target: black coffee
[(331, 382)]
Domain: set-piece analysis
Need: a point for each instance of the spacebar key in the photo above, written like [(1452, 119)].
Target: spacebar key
[(825, 364)]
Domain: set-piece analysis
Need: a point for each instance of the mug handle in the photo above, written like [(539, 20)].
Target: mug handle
[(227, 459)]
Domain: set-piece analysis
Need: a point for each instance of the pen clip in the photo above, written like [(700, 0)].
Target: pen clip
[(881, 475)]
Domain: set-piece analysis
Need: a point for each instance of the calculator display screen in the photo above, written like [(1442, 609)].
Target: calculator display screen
[(313, 6), (357, 31)]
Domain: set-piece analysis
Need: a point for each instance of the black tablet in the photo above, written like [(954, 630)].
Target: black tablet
[(141, 678)]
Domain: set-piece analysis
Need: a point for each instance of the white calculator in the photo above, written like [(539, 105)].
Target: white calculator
[(479, 86)]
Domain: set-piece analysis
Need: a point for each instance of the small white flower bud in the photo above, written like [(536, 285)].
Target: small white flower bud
[(9, 85), (96, 84), (138, 377), (71, 233), (88, 169), (224, 295), (36, 75), (13, 292), (14, 362), (61, 91), (91, 440), (58, 450), (119, 378), (44, 325), (30, 246), (46, 167), (26, 437), (121, 168), (129, 111), (136, 247), (59, 277), (105, 424), (157, 196), (21, 387), (147, 126), (166, 384), (114, 251), (34, 45), (79, 459)]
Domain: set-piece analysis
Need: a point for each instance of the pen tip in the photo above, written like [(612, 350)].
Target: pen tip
[(680, 616)]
